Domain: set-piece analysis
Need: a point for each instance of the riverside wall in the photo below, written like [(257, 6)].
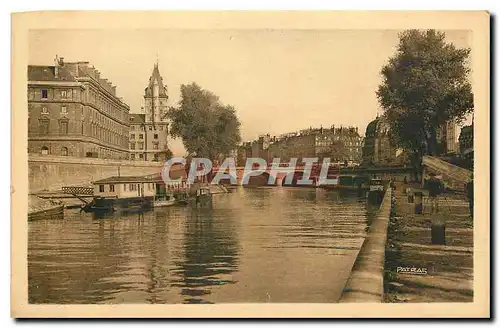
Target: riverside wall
[(366, 282), (53, 172)]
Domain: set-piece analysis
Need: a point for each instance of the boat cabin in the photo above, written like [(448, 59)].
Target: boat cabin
[(125, 187)]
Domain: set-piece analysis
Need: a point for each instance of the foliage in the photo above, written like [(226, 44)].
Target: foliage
[(207, 128), (424, 85), (336, 151)]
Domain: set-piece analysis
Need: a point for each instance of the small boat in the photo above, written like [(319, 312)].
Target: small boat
[(203, 196), (164, 200), (56, 212)]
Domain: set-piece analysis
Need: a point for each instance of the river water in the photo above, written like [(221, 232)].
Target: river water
[(252, 245)]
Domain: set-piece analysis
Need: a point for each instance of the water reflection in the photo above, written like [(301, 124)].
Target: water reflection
[(211, 252), (253, 245)]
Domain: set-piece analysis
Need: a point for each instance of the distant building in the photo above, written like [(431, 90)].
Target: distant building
[(446, 136), (149, 131), (466, 143), (341, 145), (244, 151), (378, 148), (73, 111)]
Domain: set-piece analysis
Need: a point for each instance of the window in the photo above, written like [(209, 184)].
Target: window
[(101, 188), (155, 136), (132, 136), (132, 145), (141, 156), (64, 94), (44, 94), (150, 128), (132, 186), (125, 187), (63, 127), (64, 151), (112, 188), (141, 145), (64, 110), (45, 150), (155, 146), (161, 127), (45, 110), (155, 157), (132, 157), (44, 127), (141, 136)]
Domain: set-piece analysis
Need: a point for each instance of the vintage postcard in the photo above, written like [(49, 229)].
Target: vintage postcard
[(250, 164)]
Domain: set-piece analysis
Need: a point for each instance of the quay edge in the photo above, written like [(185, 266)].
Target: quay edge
[(366, 281)]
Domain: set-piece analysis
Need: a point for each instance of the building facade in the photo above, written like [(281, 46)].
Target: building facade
[(341, 145), (73, 111), (446, 136), (149, 131), (378, 148), (466, 142)]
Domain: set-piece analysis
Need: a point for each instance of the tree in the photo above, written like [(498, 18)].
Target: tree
[(208, 129), (424, 85), (336, 151)]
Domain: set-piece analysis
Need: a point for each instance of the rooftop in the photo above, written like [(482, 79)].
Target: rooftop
[(137, 118), (155, 76), (47, 73)]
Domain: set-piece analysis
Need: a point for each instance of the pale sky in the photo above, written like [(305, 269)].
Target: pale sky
[(278, 80)]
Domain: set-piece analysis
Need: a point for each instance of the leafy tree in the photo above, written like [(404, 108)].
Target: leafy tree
[(168, 153), (424, 85), (207, 128), (336, 151)]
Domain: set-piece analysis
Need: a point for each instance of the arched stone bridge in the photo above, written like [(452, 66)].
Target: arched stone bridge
[(397, 173)]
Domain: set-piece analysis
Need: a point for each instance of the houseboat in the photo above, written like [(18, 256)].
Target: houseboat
[(122, 193), (133, 193)]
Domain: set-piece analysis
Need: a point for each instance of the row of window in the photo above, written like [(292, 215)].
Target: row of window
[(140, 146), (98, 101), (64, 110), (150, 127), (108, 123), (44, 94), (130, 186), (45, 151), (141, 136), (109, 136), (44, 126), (141, 157), (107, 106)]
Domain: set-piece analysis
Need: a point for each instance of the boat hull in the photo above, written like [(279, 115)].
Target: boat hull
[(119, 204), (163, 203), (56, 212)]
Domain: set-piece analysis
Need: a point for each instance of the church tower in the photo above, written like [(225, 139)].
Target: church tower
[(155, 98), (149, 131)]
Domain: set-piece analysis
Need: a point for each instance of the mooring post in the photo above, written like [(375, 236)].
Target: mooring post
[(418, 202), (438, 230)]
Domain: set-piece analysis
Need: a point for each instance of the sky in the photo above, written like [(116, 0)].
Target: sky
[(279, 81)]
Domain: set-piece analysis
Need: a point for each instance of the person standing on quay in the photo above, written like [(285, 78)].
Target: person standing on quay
[(434, 187)]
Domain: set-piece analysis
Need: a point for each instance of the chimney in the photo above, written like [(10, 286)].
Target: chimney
[(56, 67)]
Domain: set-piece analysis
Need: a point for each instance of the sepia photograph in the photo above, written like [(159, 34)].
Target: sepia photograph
[(277, 160)]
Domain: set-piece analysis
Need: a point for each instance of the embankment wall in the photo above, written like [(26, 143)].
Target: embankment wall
[(366, 282), (53, 172)]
